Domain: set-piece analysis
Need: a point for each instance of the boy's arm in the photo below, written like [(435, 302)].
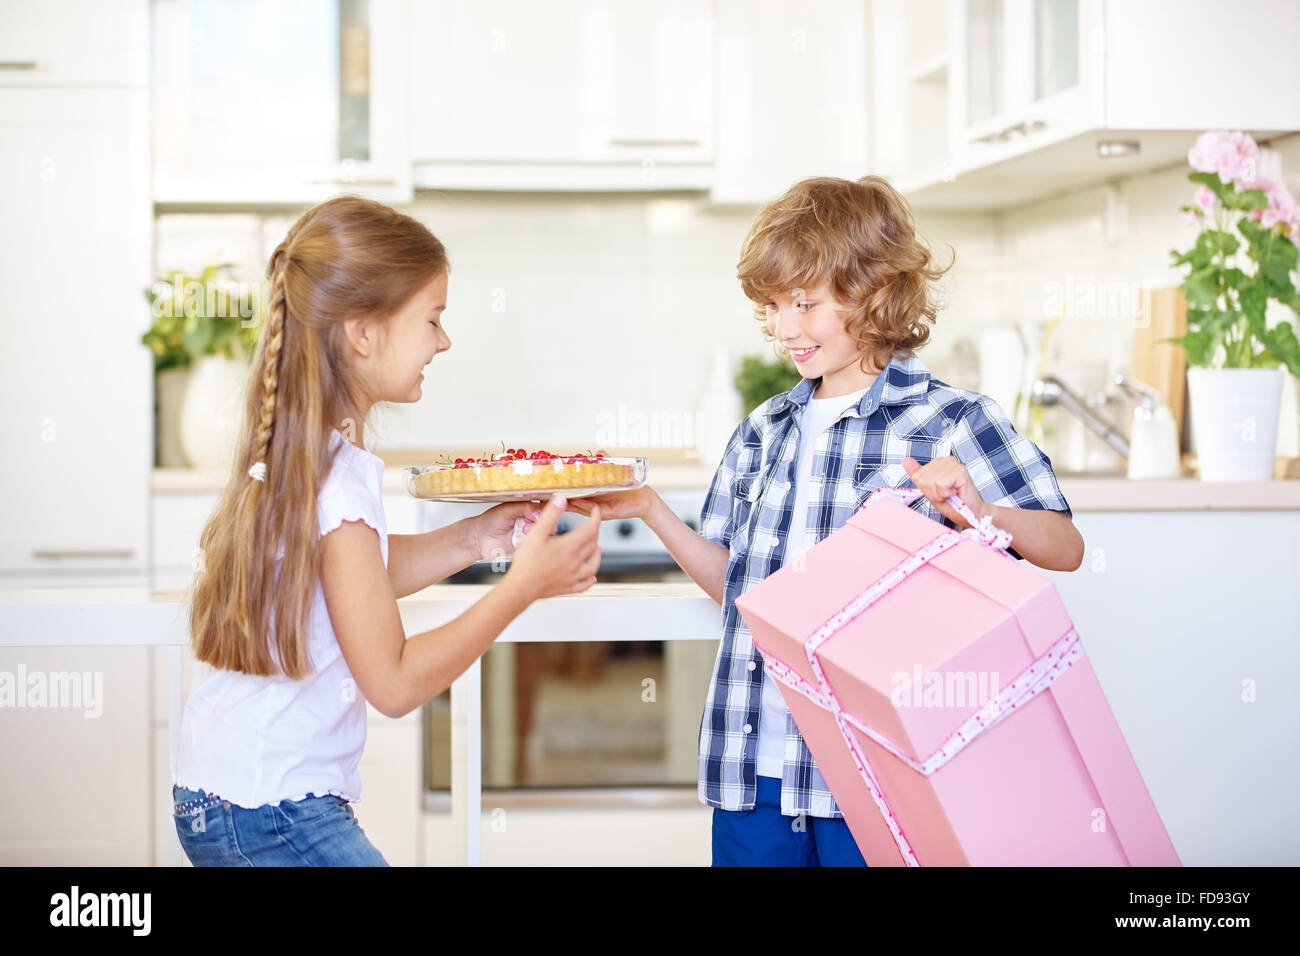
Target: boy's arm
[(992, 463), (1046, 538), (705, 555), (704, 560)]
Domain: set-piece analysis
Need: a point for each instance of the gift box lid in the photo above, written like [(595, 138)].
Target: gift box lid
[(928, 653)]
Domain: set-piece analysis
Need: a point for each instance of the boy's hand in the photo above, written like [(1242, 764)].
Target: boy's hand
[(941, 478), (635, 503)]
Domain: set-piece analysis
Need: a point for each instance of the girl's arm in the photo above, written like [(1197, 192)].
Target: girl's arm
[(398, 674), (416, 561)]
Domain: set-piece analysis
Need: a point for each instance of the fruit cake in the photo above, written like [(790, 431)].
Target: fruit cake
[(517, 470)]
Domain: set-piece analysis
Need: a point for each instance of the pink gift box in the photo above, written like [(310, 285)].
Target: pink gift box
[(945, 697)]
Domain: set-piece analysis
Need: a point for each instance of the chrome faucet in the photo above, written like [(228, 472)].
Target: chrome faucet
[(1050, 390)]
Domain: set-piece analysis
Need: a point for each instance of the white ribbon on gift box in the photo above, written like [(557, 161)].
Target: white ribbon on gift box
[(1029, 683)]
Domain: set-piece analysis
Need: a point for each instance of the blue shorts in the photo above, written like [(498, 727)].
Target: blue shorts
[(763, 837), (317, 831)]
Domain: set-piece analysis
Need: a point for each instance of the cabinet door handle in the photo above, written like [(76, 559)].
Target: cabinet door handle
[(124, 554), (340, 181), (17, 64), (655, 142)]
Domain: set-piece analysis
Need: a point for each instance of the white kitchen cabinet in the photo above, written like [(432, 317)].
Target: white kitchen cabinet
[(570, 94), (1023, 72), (75, 785), (280, 103), (74, 43), (76, 393), (791, 95), (1004, 101)]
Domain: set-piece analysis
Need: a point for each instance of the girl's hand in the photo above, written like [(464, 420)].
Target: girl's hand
[(491, 534), (941, 478), (616, 504), (547, 564)]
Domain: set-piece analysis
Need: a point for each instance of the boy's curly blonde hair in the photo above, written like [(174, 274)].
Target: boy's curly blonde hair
[(858, 238)]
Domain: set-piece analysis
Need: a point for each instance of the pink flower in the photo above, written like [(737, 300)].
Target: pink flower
[(1206, 199), (1281, 207), (1232, 155), (1191, 217)]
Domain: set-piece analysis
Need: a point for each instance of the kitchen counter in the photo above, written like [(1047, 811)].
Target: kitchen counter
[(106, 617), (1083, 492), (86, 617)]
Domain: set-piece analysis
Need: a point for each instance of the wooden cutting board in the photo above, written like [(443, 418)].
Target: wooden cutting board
[(1160, 364)]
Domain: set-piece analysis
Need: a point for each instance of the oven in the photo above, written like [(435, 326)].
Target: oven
[(572, 716)]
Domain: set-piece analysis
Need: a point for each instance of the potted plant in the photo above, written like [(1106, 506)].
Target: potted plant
[(204, 333), (759, 379), (1243, 258)]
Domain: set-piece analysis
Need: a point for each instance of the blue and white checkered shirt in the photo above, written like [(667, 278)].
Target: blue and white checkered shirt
[(747, 510)]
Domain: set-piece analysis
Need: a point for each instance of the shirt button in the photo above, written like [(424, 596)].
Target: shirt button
[(752, 665), (749, 728)]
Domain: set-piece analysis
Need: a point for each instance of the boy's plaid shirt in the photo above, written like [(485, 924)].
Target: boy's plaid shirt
[(748, 509)]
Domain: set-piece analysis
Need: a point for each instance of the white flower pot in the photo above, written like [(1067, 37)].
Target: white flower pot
[(1234, 421), (212, 410), (169, 393)]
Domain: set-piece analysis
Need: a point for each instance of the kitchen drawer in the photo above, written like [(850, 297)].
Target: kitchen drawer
[(74, 43)]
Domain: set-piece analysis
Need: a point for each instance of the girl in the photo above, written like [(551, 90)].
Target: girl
[(295, 609)]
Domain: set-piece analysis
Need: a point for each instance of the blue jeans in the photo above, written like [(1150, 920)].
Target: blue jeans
[(763, 837), (317, 831)]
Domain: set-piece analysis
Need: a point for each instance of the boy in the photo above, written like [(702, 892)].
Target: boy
[(837, 275)]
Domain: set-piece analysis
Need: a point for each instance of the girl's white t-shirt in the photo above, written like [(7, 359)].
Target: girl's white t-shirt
[(818, 414), (259, 740)]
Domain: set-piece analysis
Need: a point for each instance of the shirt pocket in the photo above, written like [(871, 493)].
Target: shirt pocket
[(869, 477), (748, 488)]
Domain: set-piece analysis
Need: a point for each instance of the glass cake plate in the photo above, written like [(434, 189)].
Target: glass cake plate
[(639, 468)]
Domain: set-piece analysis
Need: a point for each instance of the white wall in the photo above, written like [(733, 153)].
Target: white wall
[(561, 307)]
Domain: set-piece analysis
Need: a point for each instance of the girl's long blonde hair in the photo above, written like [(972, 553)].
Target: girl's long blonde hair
[(343, 258)]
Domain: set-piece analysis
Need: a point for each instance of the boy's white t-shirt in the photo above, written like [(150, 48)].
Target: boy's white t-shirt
[(259, 740), (816, 417)]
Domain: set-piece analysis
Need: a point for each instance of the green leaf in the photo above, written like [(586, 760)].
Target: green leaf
[(1249, 199), (1282, 345), (1254, 302), (1200, 346), (1222, 242), (197, 336), (1202, 286), (1264, 359), (1221, 321), (1276, 275)]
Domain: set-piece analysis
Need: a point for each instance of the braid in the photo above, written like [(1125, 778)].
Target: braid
[(271, 360)]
